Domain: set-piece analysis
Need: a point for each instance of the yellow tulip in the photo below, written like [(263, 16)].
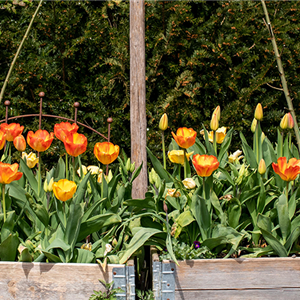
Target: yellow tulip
[(163, 123), (253, 125), (173, 193), (176, 156), (262, 167), (31, 159), (236, 156), (284, 122), (189, 183), (217, 112), (84, 170), (64, 189), (214, 123), (258, 114), (220, 135)]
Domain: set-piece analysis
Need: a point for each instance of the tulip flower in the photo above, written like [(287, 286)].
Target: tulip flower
[(173, 193), (284, 122), (94, 170), (99, 178), (258, 114), (75, 144), (163, 123), (20, 143), (262, 167), (84, 170), (290, 121), (11, 130), (64, 129), (106, 152), (31, 159), (2, 139), (64, 189), (220, 135), (205, 164), (40, 140), (236, 156), (189, 183), (177, 156), (253, 125), (217, 112), (48, 187), (287, 171), (185, 137), (214, 123), (8, 173)]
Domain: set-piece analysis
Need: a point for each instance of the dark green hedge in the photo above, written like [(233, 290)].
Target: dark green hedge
[(199, 54)]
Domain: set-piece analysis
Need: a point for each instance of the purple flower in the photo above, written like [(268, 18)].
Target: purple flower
[(197, 244)]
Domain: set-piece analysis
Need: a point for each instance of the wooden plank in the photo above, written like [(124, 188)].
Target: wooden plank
[(255, 273), (263, 294), (48, 281), (138, 121)]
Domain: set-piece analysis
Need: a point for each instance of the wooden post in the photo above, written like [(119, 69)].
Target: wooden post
[(138, 122)]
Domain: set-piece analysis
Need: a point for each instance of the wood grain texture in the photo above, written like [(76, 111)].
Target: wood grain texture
[(47, 281), (138, 121), (251, 278)]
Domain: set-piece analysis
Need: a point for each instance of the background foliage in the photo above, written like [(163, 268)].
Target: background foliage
[(199, 54)]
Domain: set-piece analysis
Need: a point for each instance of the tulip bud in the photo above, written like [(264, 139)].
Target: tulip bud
[(165, 207), (151, 180), (84, 170), (108, 248), (20, 143), (214, 123), (114, 242), (132, 167), (262, 137), (258, 114), (86, 246), (217, 112), (284, 122), (163, 123), (262, 167), (128, 165), (290, 121), (157, 181), (173, 193), (253, 125), (109, 176), (189, 183), (48, 187)]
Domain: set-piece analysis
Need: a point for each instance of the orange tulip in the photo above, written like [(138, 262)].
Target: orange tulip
[(63, 129), (11, 130), (75, 144), (20, 143), (2, 139), (9, 173), (287, 171), (205, 164), (106, 152), (40, 140), (185, 137), (290, 121)]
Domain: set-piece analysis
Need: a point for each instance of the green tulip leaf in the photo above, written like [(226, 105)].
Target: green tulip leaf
[(9, 247)]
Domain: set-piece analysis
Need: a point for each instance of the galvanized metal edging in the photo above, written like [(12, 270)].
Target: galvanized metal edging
[(124, 278), (163, 280)]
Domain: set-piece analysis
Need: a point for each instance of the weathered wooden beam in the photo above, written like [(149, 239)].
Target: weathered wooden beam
[(138, 122)]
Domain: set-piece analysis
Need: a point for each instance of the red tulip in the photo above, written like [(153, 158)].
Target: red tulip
[(75, 144), (9, 173), (287, 171), (20, 143), (11, 130), (185, 137), (106, 152), (63, 129), (205, 164), (40, 140)]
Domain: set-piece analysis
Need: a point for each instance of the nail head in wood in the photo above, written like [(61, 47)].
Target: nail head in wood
[(109, 120), (76, 104), (41, 94), (7, 103)]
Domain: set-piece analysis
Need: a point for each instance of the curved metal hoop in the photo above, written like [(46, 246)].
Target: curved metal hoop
[(58, 117)]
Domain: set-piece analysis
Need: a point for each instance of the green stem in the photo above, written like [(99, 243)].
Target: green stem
[(164, 150), (9, 151), (290, 141), (18, 51), (73, 169), (215, 142), (287, 191), (39, 173), (67, 167), (281, 146), (3, 199), (282, 75), (185, 163), (65, 217), (204, 196), (257, 143)]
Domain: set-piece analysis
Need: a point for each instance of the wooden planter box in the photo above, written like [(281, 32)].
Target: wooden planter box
[(49, 281), (249, 278)]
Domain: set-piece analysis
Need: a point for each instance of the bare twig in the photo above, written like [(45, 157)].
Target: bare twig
[(281, 73), (273, 87)]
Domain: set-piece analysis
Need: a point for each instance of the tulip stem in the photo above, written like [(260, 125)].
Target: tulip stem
[(39, 173), (204, 196), (280, 154), (3, 198), (287, 191), (9, 151), (67, 166), (73, 169), (290, 141), (164, 150), (215, 142), (185, 163), (256, 143)]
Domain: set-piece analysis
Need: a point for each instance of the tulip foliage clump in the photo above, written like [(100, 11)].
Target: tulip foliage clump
[(223, 203)]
